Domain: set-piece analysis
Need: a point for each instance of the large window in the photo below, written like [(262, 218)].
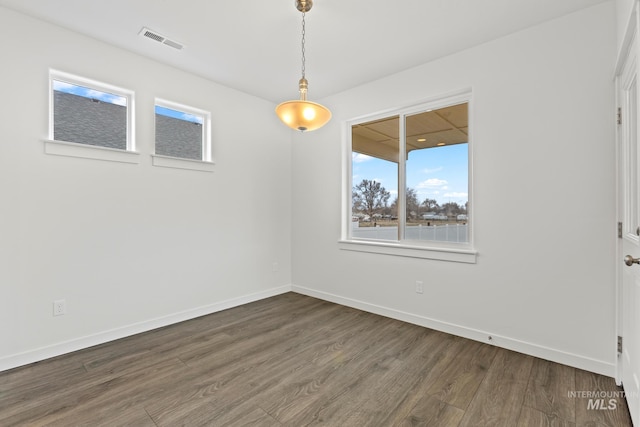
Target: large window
[(182, 132), (91, 113), (409, 174)]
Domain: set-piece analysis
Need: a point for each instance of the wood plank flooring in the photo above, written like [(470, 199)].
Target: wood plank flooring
[(293, 360)]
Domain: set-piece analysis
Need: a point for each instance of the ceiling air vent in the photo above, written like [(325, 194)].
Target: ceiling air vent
[(145, 32)]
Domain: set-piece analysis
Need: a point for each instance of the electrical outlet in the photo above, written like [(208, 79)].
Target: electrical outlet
[(59, 307), (419, 288), (274, 267)]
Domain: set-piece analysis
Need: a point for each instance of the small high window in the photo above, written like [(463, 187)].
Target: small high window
[(88, 112), (182, 132)]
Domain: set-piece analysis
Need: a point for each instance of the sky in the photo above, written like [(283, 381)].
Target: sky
[(119, 100), (439, 173), (164, 111), (89, 93)]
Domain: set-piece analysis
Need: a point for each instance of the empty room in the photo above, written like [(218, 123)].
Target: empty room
[(295, 212)]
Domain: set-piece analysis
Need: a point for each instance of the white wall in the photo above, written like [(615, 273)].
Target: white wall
[(104, 235), (129, 247), (543, 136), (623, 14)]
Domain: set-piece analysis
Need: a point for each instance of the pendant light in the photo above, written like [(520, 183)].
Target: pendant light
[(301, 114)]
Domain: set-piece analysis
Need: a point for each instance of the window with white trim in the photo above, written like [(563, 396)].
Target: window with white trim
[(182, 132), (88, 112), (408, 177)]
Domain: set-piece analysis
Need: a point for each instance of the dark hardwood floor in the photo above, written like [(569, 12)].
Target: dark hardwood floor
[(293, 360)]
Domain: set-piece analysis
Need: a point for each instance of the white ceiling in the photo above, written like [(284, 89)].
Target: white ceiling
[(254, 45)]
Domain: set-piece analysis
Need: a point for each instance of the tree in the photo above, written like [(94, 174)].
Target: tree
[(369, 196), (431, 205), (452, 209), (413, 206)]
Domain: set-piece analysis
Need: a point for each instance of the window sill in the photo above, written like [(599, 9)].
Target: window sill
[(178, 163), (396, 249), (72, 149)]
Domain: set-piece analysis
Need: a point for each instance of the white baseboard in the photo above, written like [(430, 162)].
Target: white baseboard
[(581, 362), (31, 356), (558, 356)]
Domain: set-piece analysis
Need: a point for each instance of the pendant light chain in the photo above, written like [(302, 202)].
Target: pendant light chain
[(300, 114), (303, 33)]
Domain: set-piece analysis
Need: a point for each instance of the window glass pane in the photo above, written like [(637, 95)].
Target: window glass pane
[(178, 133), (437, 175), (375, 153), (85, 115)]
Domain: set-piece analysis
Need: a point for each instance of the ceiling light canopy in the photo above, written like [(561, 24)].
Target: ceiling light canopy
[(301, 114)]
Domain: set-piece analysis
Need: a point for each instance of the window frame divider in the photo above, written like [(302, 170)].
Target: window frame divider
[(402, 246), (402, 176)]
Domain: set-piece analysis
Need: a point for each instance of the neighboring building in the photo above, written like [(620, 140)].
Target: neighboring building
[(89, 121)]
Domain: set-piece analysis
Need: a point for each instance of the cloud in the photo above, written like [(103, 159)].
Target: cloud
[(63, 86), (191, 118), (180, 115), (434, 170), (105, 97), (433, 188), (423, 193), (89, 93), (456, 195), (432, 183), (359, 157)]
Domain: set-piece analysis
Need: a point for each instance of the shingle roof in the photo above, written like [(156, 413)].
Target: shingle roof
[(93, 122), (89, 121)]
